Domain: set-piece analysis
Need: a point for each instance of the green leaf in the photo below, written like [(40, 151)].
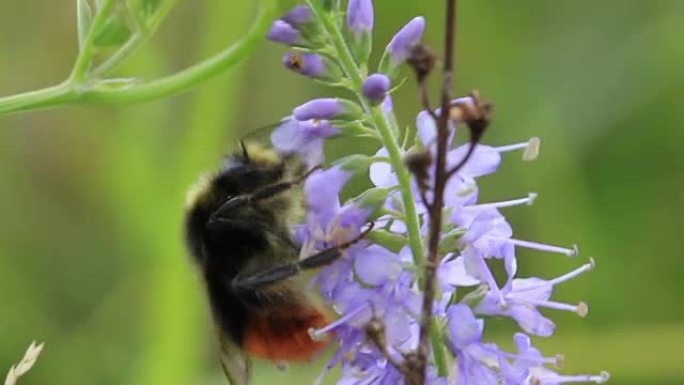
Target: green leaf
[(391, 241), (84, 17), (355, 163), (373, 198), (115, 32), (450, 241)]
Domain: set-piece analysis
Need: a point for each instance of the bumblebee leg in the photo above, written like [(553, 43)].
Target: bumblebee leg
[(226, 225), (279, 273)]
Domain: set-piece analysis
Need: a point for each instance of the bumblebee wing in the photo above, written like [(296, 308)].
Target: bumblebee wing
[(235, 363)]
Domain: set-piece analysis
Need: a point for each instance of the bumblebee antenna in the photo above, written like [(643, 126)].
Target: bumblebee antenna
[(245, 154)]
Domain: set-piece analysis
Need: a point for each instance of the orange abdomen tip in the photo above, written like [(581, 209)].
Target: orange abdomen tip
[(283, 335)]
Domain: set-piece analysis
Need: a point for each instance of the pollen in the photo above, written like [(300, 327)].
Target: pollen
[(582, 309), (532, 150)]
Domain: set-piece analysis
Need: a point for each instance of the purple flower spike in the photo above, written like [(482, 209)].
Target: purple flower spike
[(375, 87), (360, 16), (300, 14), (307, 64), (283, 33), (401, 44), (324, 108)]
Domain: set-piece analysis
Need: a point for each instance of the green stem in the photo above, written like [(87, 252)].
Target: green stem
[(404, 178), (85, 55), (390, 141), (59, 94), (188, 77), (438, 349), (138, 38), (384, 128), (75, 92)]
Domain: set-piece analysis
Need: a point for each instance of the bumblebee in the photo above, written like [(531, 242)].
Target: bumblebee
[(238, 231)]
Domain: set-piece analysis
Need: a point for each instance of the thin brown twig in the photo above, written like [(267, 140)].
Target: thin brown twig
[(456, 168), (436, 208), (425, 99)]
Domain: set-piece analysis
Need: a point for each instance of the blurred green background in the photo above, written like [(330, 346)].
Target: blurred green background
[(91, 259)]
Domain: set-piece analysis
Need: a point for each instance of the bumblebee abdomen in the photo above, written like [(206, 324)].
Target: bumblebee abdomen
[(282, 334)]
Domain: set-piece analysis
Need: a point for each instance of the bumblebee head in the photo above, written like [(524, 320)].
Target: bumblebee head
[(252, 167), (258, 155)]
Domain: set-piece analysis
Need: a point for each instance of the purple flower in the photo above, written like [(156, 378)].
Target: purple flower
[(303, 138), (466, 343), (388, 105), (298, 16), (522, 297), (360, 16), (377, 284), (322, 189), (528, 367), (326, 108), (307, 64), (400, 46), (375, 87), (283, 33)]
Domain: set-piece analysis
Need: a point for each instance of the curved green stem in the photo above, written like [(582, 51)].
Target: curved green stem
[(188, 77), (85, 55), (59, 94), (78, 92), (138, 38)]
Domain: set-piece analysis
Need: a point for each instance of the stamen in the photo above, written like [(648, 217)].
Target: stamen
[(581, 308), (511, 147), (563, 278), (539, 246), (555, 378), (566, 277), (328, 367), (529, 358), (510, 203), (319, 334), (560, 361), (532, 150), (491, 282)]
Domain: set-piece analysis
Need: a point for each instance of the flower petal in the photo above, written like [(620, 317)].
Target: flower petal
[(377, 266)]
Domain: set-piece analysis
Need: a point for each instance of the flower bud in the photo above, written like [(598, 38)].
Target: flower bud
[(326, 108), (375, 87), (307, 64), (299, 15), (283, 33), (422, 60), (399, 48), (418, 163), (360, 17)]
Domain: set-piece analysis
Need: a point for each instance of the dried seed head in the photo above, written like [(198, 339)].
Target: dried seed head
[(475, 113), (418, 163), (375, 331), (422, 59)]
